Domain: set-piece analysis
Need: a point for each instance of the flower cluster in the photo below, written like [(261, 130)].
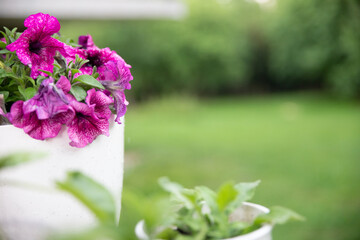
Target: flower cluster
[(47, 84)]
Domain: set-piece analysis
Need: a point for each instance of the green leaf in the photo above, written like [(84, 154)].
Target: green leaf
[(167, 233), (15, 69), (236, 228), (4, 67), (74, 71), (46, 72), (209, 207), (27, 93), (5, 51), (19, 158), (95, 74), (176, 190), (71, 64), (278, 215), (13, 31), (3, 119), (57, 65), (30, 92), (2, 44), (89, 80), (8, 32), (78, 92), (30, 79), (81, 63), (5, 36), (94, 70), (169, 186), (22, 92), (245, 192), (92, 194), (39, 80), (226, 195), (209, 196)]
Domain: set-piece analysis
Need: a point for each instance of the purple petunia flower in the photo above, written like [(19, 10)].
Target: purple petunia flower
[(120, 104), (86, 42), (35, 47), (85, 126), (116, 78), (50, 99), (43, 115)]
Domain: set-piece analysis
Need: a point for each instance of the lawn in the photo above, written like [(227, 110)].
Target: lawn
[(305, 148)]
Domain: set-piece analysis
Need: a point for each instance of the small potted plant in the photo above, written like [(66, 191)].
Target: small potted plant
[(202, 213), (57, 97)]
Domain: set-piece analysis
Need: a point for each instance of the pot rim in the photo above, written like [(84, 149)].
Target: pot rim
[(263, 231)]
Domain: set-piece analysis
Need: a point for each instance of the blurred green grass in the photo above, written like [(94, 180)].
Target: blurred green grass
[(304, 147)]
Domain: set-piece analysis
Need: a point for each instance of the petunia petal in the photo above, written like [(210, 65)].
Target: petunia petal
[(120, 105), (85, 126), (43, 22), (35, 47), (64, 84), (41, 129), (101, 103), (86, 42), (16, 116)]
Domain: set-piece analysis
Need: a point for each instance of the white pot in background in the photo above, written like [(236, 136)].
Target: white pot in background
[(28, 212), (247, 213)]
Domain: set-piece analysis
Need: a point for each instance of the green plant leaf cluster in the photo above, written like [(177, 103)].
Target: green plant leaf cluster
[(201, 213)]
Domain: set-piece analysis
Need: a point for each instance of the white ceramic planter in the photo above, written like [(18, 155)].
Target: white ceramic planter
[(31, 213), (247, 213)]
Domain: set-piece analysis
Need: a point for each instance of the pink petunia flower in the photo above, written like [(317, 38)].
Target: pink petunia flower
[(37, 128), (116, 78), (35, 47), (85, 126), (101, 103), (42, 116), (98, 58)]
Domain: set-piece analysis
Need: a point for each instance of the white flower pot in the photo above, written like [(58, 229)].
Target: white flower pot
[(28, 212), (247, 213)]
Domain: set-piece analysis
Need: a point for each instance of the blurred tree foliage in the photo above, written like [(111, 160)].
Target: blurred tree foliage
[(316, 43), (231, 46), (206, 53)]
